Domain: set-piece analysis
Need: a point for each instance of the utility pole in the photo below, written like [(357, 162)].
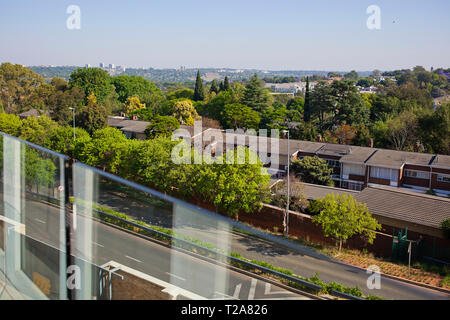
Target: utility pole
[(288, 182), (409, 258), (73, 111)]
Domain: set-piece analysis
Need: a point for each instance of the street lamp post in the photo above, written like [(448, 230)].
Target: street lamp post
[(288, 182), (73, 111)]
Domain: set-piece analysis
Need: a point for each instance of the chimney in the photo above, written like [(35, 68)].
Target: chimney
[(417, 146), (371, 143)]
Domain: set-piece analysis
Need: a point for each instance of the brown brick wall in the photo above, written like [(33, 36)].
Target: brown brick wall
[(379, 181), (435, 184), (356, 178), (439, 170), (414, 167), (416, 182), (301, 226)]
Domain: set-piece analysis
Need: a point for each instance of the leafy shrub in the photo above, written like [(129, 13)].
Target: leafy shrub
[(445, 225)]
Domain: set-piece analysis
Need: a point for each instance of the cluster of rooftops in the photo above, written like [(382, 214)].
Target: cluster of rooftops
[(387, 201), (343, 158)]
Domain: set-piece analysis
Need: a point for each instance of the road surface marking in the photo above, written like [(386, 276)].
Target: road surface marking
[(98, 244), (39, 220), (235, 295), (287, 298), (175, 276), (221, 295), (237, 291), (251, 294), (268, 287), (133, 259)]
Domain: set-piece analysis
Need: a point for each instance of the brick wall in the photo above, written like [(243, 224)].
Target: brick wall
[(301, 225)]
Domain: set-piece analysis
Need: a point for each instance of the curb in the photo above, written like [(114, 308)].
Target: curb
[(216, 262), (420, 284)]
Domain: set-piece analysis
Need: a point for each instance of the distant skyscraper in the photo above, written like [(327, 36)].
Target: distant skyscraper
[(102, 65), (111, 65), (88, 65)]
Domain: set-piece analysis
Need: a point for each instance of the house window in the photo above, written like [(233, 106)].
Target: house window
[(357, 186), (384, 173), (442, 178), (333, 163), (354, 169), (417, 174)]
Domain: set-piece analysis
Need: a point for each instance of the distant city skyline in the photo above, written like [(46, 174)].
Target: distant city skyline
[(286, 35)]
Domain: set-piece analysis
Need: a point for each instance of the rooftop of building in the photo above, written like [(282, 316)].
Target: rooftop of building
[(404, 205), (396, 159)]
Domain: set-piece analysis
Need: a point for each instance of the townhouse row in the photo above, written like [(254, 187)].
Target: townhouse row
[(354, 167)]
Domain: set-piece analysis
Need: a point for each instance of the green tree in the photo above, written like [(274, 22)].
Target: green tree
[(181, 94), (17, 84), (233, 188), (215, 106), (130, 86), (255, 96), (342, 217), (313, 170), (214, 88), (307, 105), (64, 99), (434, 129), (226, 84), (445, 226), (92, 117), (402, 130), (10, 124), (352, 75), (350, 106), (61, 139), (236, 116), (161, 126), (185, 112), (37, 129), (93, 81), (322, 104), (133, 105), (199, 91), (39, 171), (104, 150)]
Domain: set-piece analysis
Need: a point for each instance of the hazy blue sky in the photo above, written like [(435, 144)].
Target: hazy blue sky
[(275, 35)]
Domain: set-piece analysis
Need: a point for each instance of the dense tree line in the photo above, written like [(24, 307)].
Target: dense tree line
[(400, 115), (229, 188)]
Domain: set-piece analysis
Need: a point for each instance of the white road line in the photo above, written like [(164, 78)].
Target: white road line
[(133, 259), (251, 294), (39, 220), (268, 288), (98, 244), (222, 296), (175, 276), (237, 291)]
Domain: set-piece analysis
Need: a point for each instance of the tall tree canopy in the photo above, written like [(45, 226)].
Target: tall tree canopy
[(255, 96), (313, 170), (128, 86), (93, 81), (342, 217), (199, 91)]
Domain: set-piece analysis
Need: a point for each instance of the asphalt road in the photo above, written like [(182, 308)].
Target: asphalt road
[(206, 279), (196, 275), (300, 261)]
